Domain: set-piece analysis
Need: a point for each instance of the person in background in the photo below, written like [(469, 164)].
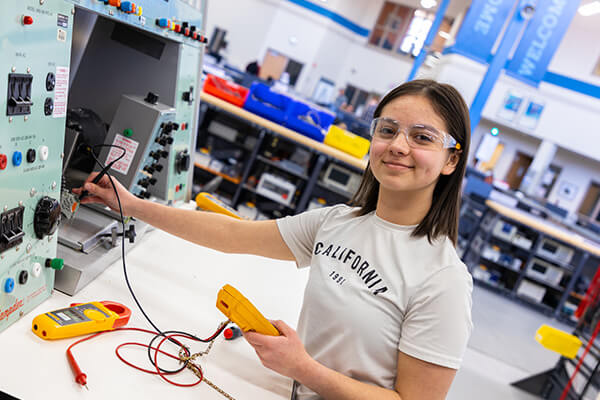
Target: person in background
[(386, 312), (367, 115), (340, 102)]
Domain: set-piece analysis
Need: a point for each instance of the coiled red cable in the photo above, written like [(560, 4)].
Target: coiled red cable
[(81, 378)]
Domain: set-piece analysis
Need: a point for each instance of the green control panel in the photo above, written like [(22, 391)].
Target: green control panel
[(34, 80)]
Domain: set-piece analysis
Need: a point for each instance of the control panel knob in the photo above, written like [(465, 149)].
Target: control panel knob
[(168, 128), (143, 183), (151, 98), (157, 167), (188, 96), (182, 161), (46, 217)]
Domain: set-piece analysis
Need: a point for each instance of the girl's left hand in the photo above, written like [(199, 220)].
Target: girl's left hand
[(284, 354)]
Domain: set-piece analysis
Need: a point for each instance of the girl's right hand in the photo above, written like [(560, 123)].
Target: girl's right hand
[(103, 193)]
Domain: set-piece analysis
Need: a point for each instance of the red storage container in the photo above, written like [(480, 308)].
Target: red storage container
[(223, 89)]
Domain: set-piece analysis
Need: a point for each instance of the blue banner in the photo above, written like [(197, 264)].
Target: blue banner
[(541, 39), (481, 27)]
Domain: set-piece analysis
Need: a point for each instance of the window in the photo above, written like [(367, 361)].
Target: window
[(403, 30), (417, 33)]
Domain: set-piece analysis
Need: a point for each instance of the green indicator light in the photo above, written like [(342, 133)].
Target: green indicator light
[(494, 131), (127, 132)]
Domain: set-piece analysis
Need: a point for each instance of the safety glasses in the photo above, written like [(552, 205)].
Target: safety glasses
[(417, 136)]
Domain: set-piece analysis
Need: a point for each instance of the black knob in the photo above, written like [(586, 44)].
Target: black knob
[(151, 98), (46, 217), (162, 141), (149, 169), (182, 161), (192, 28), (155, 155), (185, 24), (176, 125), (168, 128), (189, 96), (170, 140), (50, 81), (157, 167), (143, 182), (146, 195), (152, 181), (164, 154), (30, 155)]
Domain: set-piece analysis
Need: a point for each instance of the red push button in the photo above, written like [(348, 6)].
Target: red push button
[(3, 161), (27, 20)]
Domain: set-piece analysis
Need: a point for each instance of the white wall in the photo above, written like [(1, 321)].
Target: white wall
[(247, 23), (576, 171), (579, 50)]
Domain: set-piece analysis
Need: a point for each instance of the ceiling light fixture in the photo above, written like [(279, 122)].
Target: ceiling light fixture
[(590, 9), (428, 3)]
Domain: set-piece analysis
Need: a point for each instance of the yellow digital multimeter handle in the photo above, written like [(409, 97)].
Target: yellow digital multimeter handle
[(207, 201), (243, 313), (80, 319)]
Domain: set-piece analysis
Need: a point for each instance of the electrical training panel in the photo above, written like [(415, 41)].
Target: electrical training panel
[(65, 58), (35, 48)]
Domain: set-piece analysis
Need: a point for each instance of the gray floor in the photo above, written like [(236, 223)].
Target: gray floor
[(502, 349)]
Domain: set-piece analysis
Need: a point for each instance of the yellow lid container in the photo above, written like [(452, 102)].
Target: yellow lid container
[(347, 142), (558, 341)]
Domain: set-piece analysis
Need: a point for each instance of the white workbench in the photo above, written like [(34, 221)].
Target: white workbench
[(177, 284)]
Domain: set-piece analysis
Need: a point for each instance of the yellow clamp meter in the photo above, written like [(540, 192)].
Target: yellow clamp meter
[(81, 319), (208, 202), (243, 313)]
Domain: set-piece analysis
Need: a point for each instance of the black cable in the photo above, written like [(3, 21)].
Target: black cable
[(160, 333)]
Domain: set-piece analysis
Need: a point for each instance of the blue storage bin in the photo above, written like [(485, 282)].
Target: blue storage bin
[(308, 121), (268, 104)]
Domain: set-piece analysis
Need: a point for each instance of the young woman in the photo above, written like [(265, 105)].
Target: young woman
[(387, 308)]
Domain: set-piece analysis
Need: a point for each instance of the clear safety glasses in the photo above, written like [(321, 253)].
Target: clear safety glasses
[(417, 136)]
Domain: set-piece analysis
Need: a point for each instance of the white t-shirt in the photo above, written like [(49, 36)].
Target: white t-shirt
[(374, 290)]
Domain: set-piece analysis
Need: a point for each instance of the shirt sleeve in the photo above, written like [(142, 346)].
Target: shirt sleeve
[(299, 233), (437, 325)]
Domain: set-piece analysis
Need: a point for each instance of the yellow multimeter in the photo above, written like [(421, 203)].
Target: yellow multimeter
[(243, 313), (207, 201), (81, 319)]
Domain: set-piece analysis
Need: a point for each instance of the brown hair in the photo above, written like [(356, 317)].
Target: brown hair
[(442, 217)]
